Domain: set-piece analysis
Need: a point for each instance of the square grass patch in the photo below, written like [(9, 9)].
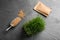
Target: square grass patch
[(34, 26)]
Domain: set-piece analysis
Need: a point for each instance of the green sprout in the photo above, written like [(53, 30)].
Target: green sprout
[(34, 26)]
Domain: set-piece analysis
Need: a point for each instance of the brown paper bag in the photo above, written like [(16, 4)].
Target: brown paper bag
[(43, 9)]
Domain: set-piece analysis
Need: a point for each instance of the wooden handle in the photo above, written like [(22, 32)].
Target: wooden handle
[(15, 21)]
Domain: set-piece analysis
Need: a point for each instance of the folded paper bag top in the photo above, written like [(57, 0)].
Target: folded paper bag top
[(43, 9), (21, 14)]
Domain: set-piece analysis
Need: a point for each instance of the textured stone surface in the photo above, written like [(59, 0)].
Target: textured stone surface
[(9, 10)]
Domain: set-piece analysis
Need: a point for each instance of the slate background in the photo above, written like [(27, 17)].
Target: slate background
[(9, 10)]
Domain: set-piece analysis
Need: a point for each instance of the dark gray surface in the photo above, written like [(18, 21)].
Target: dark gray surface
[(9, 10)]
